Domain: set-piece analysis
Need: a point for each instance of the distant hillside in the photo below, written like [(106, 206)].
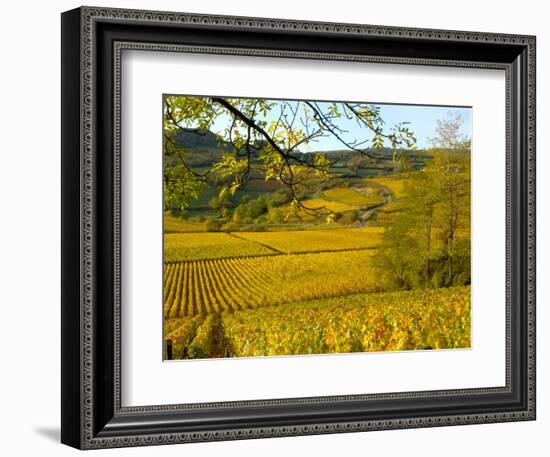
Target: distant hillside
[(197, 140), (201, 148), (204, 148)]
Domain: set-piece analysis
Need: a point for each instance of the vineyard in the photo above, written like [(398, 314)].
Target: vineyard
[(297, 292), (308, 291), (423, 319), (180, 247), (217, 285), (318, 240), (275, 243)]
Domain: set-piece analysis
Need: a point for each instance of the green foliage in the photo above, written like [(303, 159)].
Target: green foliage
[(428, 242), (353, 216), (214, 203), (246, 213), (267, 138), (180, 187), (275, 215), (218, 203), (213, 226), (336, 217), (279, 197)]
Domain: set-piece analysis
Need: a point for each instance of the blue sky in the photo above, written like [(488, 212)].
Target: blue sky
[(422, 119)]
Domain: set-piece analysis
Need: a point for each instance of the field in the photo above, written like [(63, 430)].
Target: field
[(301, 289), (353, 197), (177, 225), (276, 243), (423, 319), (179, 247), (317, 240), (396, 184), (216, 285), (388, 213), (261, 185), (297, 292), (330, 205)]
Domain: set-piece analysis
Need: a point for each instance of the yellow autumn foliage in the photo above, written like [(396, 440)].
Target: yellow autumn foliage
[(396, 321), (318, 240), (217, 285)]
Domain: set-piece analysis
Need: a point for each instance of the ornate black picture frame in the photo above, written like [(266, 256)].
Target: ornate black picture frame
[(92, 42)]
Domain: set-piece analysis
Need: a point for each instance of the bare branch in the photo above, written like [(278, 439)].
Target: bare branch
[(326, 124)]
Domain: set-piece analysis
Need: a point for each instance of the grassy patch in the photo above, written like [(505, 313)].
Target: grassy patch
[(351, 196), (320, 203), (397, 184), (176, 225)]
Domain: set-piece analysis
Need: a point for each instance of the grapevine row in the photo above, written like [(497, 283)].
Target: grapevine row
[(394, 321), (217, 285)]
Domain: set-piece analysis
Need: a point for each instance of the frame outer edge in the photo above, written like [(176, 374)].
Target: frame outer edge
[(294, 25), (87, 176), (71, 305), (85, 408), (531, 223)]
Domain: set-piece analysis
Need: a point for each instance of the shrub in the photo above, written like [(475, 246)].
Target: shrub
[(279, 197), (275, 216), (353, 216), (213, 226), (214, 203)]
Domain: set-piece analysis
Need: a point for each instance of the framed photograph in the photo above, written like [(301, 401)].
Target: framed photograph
[(275, 227)]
